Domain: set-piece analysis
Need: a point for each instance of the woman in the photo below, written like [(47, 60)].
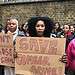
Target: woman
[(40, 26), (71, 58), (11, 27), (57, 30), (23, 30)]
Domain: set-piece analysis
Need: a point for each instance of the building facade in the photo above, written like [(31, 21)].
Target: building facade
[(61, 11)]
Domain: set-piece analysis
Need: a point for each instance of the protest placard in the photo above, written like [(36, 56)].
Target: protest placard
[(39, 56), (6, 50)]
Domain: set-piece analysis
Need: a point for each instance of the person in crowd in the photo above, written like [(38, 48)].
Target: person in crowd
[(71, 58), (1, 67), (69, 36), (40, 26), (69, 54), (72, 29), (66, 31), (23, 30), (11, 27), (57, 30)]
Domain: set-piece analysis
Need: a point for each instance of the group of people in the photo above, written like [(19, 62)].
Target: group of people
[(43, 27)]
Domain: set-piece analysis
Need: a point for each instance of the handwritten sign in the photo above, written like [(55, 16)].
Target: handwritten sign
[(6, 50), (39, 56)]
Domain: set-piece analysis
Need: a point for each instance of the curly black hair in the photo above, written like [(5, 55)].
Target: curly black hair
[(49, 25)]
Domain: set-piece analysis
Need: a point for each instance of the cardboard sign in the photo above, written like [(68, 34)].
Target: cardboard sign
[(39, 56), (6, 50)]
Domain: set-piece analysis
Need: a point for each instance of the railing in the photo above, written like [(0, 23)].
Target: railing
[(19, 1), (15, 1), (22, 1)]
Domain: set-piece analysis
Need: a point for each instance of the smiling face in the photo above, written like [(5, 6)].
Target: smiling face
[(72, 28), (40, 27)]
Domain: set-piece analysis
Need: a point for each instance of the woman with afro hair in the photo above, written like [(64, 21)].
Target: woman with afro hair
[(40, 26)]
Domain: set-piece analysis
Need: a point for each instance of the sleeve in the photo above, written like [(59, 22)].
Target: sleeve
[(69, 54)]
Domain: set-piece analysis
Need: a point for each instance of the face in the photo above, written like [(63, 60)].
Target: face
[(25, 27), (56, 25), (40, 27), (66, 28), (12, 25), (71, 28)]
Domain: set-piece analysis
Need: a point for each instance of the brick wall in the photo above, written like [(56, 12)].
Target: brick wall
[(64, 12)]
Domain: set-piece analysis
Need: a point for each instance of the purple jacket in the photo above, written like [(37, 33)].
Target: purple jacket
[(71, 55)]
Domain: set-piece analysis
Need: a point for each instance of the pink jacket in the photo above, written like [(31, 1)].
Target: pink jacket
[(71, 55)]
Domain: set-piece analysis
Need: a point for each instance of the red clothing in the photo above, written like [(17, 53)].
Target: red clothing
[(67, 34), (71, 55)]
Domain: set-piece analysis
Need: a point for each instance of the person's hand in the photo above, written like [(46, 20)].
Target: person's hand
[(63, 58), (9, 32)]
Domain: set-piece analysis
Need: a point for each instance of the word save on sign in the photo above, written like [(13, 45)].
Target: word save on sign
[(39, 56)]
